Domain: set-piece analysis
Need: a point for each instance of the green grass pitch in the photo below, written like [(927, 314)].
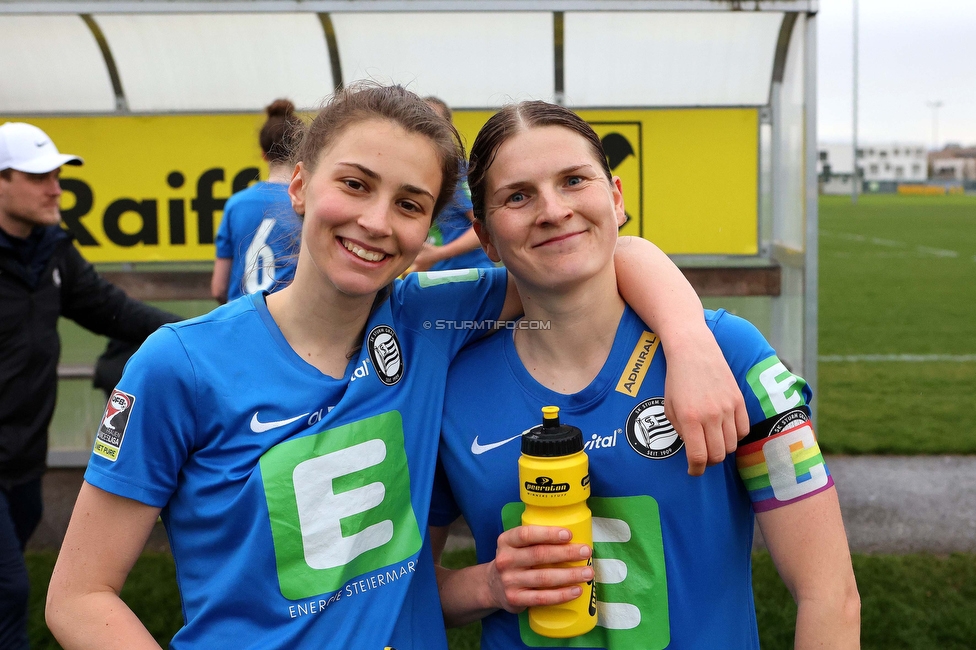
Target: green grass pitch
[(898, 276)]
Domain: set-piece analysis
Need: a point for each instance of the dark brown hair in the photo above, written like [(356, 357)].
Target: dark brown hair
[(6, 174), (441, 105), (280, 131), (512, 120), (369, 101)]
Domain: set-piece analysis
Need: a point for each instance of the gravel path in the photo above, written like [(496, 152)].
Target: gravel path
[(907, 504)]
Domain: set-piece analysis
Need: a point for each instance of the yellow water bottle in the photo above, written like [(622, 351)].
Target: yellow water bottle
[(554, 482)]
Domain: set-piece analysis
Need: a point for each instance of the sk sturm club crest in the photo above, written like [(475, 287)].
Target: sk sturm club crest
[(384, 352), (649, 431), (111, 431)]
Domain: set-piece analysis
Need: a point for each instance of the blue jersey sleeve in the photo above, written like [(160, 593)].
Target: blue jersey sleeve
[(768, 386), (451, 308), (443, 507), (780, 461), (147, 431), (225, 239)]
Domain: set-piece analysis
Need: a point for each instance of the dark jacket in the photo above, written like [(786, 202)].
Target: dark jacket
[(41, 279)]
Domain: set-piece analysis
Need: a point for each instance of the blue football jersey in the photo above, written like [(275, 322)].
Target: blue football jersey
[(260, 233), (672, 552), (296, 503), (450, 224)]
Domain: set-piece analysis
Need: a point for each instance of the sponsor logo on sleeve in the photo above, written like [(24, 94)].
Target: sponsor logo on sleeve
[(111, 430), (777, 389), (636, 369), (649, 431), (385, 354)]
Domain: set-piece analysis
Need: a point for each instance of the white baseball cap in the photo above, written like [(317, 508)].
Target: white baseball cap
[(26, 148)]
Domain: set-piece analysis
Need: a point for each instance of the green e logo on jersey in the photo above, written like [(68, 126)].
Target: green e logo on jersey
[(777, 389), (632, 585), (340, 505)]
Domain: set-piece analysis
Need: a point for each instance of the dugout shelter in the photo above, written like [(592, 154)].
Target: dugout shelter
[(707, 109)]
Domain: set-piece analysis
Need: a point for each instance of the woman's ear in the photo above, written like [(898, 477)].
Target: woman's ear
[(296, 190), (618, 201), (481, 229)]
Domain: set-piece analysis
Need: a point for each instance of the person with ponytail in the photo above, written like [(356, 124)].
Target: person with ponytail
[(257, 242)]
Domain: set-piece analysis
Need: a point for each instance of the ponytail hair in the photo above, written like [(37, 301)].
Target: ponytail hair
[(280, 131)]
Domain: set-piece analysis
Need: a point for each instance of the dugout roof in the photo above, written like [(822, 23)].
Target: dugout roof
[(175, 56)]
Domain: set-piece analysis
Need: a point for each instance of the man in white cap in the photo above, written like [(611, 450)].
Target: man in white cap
[(42, 277), (31, 165)]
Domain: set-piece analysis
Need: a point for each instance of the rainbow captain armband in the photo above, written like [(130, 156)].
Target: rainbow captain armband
[(785, 467)]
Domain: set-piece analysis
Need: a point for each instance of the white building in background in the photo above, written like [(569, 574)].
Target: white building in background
[(901, 163), (877, 163), (834, 168), (953, 163)]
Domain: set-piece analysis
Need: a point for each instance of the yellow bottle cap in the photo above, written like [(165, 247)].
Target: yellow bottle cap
[(550, 416)]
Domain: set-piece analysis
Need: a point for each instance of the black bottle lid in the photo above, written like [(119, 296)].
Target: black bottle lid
[(552, 439)]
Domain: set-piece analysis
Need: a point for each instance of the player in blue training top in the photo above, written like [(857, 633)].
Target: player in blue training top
[(257, 241), (451, 242), (671, 553), (288, 440)]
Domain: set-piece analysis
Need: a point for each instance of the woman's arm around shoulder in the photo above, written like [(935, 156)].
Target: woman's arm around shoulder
[(709, 421), (84, 610)]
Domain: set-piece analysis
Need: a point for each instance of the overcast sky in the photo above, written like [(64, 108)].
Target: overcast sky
[(912, 52)]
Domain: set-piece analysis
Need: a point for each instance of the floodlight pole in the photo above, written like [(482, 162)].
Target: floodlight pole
[(855, 177)]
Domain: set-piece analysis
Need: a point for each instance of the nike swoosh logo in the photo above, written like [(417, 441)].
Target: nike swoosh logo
[(40, 144), (260, 427), (478, 449)]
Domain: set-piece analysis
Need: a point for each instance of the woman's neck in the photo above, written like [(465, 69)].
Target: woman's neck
[(579, 328), (279, 173), (322, 325)]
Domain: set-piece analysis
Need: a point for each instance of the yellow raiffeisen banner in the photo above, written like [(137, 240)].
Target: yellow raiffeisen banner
[(690, 176), (153, 188)]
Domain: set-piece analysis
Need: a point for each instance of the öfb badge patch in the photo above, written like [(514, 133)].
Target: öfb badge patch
[(111, 430)]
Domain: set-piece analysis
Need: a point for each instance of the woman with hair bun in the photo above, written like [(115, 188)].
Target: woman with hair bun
[(257, 242)]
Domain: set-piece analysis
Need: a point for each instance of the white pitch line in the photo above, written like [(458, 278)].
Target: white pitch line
[(891, 243), (938, 252), (888, 242), (905, 358)]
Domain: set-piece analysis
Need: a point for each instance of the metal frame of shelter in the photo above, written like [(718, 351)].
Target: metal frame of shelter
[(784, 270)]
